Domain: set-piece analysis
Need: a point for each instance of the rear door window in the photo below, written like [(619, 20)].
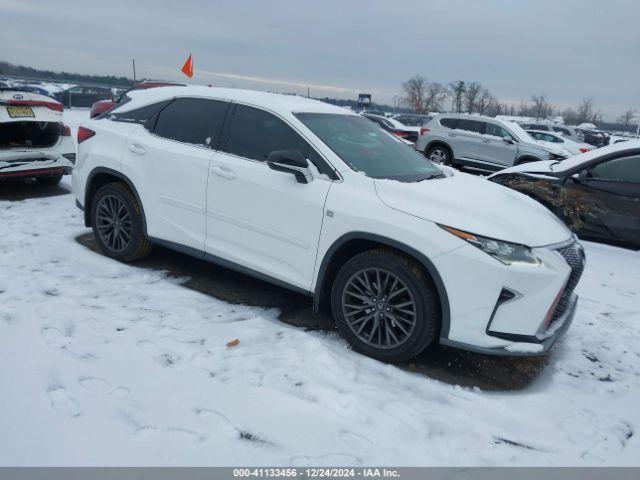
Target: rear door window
[(474, 126), (195, 121)]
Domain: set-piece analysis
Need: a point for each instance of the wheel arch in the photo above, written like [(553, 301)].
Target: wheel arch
[(353, 243), (435, 143), (100, 176)]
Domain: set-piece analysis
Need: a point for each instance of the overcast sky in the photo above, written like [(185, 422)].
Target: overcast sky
[(566, 49)]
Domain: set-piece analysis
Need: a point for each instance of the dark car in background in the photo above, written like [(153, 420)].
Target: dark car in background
[(597, 194), (102, 106), (385, 124), (596, 138), (412, 120), (83, 95)]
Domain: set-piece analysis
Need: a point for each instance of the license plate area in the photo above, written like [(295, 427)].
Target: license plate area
[(20, 112)]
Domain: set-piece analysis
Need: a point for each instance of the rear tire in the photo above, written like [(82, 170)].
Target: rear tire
[(50, 180), (116, 218), (440, 154), (385, 306)]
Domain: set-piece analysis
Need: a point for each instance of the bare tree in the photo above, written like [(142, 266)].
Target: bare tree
[(541, 109), (414, 92), (485, 99), (523, 109), (586, 111), (457, 94), (626, 118), (435, 96), (471, 96)]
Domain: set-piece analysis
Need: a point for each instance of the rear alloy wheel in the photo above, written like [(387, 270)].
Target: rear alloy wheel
[(385, 306), (439, 154), (117, 223)]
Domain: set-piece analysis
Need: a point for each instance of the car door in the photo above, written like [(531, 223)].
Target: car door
[(605, 199), (169, 166), (465, 140), (258, 218), (494, 149)]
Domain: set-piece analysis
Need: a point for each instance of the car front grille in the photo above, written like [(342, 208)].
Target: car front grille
[(574, 256)]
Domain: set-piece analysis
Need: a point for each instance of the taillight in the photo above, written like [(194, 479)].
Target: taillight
[(52, 105), (84, 134), (66, 131), (585, 150), (422, 130), (401, 134)]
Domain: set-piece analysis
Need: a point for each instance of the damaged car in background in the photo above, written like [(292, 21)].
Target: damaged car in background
[(34, 143), (597, 194)]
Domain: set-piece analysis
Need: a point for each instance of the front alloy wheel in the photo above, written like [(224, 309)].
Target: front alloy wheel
[(385, 305), (379, 308)]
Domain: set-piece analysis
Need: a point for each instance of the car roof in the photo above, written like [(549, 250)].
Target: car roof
[(577, 160), (271, 101)]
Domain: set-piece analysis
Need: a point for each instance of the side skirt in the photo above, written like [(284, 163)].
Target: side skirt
[(221, 262)]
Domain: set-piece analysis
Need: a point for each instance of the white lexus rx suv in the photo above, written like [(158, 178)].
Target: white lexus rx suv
[(322, 201)]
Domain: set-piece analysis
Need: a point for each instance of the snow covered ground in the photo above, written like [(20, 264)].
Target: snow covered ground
[(109, 364)]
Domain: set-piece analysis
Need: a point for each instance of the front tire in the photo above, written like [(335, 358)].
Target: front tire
[(116, 218), (385, 306)]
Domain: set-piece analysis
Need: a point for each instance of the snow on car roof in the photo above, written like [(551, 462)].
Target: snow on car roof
[(273, 101), (576, 160)]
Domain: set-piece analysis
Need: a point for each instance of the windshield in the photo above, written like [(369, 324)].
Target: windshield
[(366, 148)]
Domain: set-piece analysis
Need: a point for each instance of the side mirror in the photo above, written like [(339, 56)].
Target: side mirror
[(581, 177), (290, 161), (507, 139)]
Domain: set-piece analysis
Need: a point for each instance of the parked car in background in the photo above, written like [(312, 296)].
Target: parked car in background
[(571, 146), (102, 106), (412, 120), (566, 130), (317, 199), (407, 133), (597, 194), (83, 96), (375, 112), (596, 138), (482, 143), (34, 143)]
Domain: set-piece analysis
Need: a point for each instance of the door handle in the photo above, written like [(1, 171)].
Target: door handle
[(224, 172), (484, 140), (137, 149), (452, 134)]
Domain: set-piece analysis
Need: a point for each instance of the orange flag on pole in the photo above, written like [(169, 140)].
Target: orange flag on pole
[(187, 68)]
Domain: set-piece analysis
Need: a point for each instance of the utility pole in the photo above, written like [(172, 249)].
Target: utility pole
[(133, 62), (308, 92)]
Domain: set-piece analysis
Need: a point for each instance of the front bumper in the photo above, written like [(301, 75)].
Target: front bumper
[(533, 346), (510, 310)]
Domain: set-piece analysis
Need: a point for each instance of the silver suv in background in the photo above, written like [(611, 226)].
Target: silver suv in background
[(566, 130), (482, 143)]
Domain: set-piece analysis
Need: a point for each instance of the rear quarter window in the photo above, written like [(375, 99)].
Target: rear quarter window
[(449, 122)]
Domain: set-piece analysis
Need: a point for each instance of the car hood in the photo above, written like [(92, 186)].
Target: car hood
[(541, 167), (475, 205)]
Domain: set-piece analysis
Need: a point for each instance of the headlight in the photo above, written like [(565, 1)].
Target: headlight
[(506, 252)]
